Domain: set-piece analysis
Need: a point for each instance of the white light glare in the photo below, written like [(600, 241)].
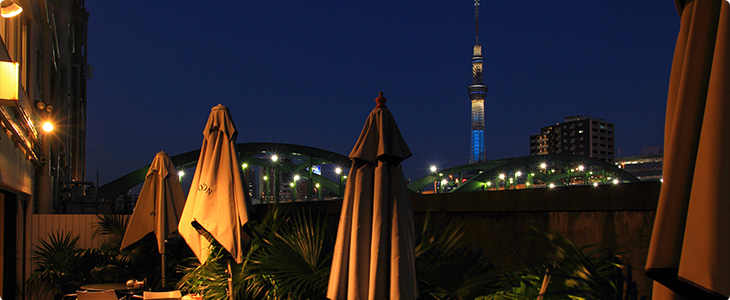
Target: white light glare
[(47, 127), (433, 169)]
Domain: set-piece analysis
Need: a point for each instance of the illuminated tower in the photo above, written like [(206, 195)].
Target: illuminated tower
[(477, 93)]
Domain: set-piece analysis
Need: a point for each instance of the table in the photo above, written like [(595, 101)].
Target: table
[(119, 288)]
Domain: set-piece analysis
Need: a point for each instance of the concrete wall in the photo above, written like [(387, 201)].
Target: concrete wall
[(619, 217)]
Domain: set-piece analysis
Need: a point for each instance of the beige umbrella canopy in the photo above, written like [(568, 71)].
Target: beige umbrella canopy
[(218, 200), (690, 243), (158, 207), (374, 251)]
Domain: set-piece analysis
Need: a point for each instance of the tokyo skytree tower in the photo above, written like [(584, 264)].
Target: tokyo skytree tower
[(477, 94)]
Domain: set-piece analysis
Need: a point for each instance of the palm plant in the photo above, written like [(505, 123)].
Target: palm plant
[(289, 257), (445, 268), (58, 261), (573, 272), (141, 259)]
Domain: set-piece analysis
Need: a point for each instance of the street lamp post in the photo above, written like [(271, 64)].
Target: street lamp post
[(295, 186), (338, 171), (274, 161)]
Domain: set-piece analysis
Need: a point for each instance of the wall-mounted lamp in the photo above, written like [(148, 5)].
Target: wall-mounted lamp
[(9, 9), (47, 126)]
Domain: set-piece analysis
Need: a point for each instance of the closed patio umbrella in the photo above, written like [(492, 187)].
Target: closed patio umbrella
[(158, 207), (690, 243), (218, 201), (374, 251)]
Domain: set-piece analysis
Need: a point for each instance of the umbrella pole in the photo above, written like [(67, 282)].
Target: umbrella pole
[(230, 281), (162, 280)]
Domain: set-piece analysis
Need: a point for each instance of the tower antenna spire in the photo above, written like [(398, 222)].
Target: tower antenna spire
[(476, 16)]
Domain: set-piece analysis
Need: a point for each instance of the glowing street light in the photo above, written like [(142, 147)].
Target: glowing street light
[(433, 169), (543, 166), (338, 171), (180, 173), (615, 181), (296, 177), (518, 174), (581, 168), (47, 126), (552, 185), (244, 166), (274, 157)]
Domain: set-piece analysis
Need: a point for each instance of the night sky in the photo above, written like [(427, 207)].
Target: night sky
[(307, 73)]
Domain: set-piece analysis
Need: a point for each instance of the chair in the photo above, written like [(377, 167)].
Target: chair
[(102, 295), (169, 295)]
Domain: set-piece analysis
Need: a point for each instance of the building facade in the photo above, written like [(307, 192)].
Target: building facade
[(45, 42), (576, 135)]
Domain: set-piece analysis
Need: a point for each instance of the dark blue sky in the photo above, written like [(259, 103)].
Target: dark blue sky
[(307, 72)]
